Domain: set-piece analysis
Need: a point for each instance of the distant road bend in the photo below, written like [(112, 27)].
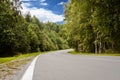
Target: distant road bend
[(59, 65)]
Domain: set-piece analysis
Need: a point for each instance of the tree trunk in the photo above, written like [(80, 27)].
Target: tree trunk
[(96, 49), (100, 46), (77, 46)]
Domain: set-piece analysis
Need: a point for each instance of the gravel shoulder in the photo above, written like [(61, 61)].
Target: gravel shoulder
[(9, 70)]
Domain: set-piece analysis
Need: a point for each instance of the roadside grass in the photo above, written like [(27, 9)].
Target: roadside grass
[(7, 59), (93, 54)]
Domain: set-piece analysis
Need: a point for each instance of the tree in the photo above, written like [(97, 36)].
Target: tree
[(12, 32), (20, 34), (93, 24)]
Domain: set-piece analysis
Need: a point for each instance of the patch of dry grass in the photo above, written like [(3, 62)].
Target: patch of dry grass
[(9, 66)]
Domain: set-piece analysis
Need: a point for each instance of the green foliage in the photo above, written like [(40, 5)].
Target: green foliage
[(93, 25), (20, 34), (93, 54), (8, 59)]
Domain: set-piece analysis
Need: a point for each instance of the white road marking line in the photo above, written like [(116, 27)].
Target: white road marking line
[(28, 75)]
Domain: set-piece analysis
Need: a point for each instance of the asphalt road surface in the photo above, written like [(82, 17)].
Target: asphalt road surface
[(60, 65)]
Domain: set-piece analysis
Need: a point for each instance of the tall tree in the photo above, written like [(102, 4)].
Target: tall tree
[(93, 24)]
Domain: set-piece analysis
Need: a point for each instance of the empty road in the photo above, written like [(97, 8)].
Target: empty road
[(60, 65)]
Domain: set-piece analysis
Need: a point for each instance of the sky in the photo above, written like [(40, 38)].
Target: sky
[(45, 10)]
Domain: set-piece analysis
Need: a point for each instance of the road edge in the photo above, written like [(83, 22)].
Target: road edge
[(28, 74)]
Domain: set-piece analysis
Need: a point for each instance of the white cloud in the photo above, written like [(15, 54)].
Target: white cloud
[(42, 14), (43, 4), (25, 0), (28, 0), (61, 3), (27, 4), (42, 0)]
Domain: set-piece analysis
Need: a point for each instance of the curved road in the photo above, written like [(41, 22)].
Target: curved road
[(60, 65)]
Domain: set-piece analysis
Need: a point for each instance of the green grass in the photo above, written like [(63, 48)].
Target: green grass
[(93, 54), (7, 59)]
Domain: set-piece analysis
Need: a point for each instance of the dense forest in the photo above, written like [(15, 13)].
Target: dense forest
[(93, 26), (20, 34)]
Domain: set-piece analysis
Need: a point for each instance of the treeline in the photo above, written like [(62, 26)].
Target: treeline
[(20, 34), (93, 25)]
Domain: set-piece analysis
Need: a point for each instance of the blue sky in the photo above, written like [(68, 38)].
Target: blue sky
[(45, 10)]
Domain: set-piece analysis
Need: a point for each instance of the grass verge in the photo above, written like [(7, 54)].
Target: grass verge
[(93, 54), (7, 59)]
